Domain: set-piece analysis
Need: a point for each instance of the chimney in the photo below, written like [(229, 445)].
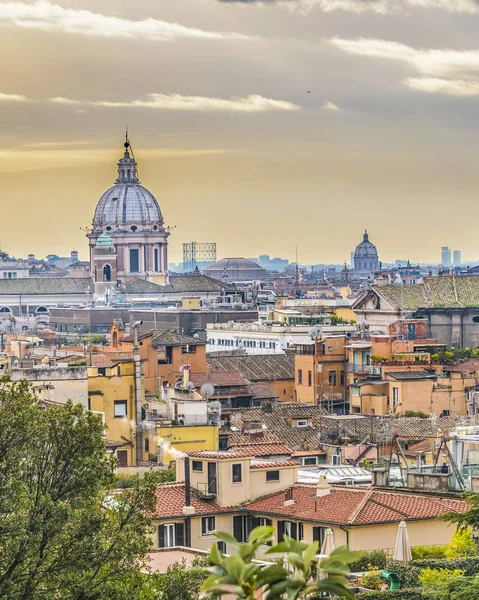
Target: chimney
[(187, 508), (323, 488), (74, 254), (288, 497)]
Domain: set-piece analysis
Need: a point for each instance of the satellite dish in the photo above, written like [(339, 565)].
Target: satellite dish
[(315, 332), (207, 390), (190, 386), (196, 336)]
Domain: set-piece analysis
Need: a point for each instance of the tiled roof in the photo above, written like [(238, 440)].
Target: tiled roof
[(178, 284), (170, 338), (170, 500), (265, 449), (100, 361), (221, 455), (262, 391), (469, 366), (308, 453), (446, 291), (223, 379), (47, 285), (273, 464), (356, 506), (256, 367), (279, 426)]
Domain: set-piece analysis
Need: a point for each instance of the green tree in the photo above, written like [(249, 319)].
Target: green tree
[(461, 544), (239, 573), (179, 582), (61, 535)]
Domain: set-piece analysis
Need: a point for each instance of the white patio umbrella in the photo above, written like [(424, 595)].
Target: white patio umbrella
[(328, 543), (402, 551)]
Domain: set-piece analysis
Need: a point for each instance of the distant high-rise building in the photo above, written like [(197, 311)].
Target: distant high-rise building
[(456, 258), (198, 255), (445, 256)]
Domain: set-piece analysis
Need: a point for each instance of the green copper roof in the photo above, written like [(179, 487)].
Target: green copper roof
[(104, 240)]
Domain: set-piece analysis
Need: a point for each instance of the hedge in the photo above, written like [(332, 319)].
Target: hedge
[(411, 594), (470, 565), (376, 558)]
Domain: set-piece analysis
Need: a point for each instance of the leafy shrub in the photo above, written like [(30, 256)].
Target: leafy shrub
[(131, 480), (426, 552), (432, 577), (470, 565), (416, 413), (461, 544), (371, 580), (413, 594), (408, 573), (371, 560)]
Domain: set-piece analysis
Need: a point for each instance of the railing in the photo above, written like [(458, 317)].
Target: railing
[(360, 369)]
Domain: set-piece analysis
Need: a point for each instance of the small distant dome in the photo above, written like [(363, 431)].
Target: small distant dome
[(237, 270), (104, 240), (366, 257)]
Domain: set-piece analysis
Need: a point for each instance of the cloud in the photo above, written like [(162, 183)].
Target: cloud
[(467, 6), (13, 98), (453, 72), (381, 7), (451, 87), (330, 106), (355, 6), (252, 103), (45, 16), (47, 145)]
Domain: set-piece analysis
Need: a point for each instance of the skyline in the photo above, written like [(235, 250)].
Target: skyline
[(260, 126)]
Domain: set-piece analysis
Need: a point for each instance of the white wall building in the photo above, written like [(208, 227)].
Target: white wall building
[(255, 338)]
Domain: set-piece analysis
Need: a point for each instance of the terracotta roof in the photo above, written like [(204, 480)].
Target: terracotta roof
[(221, 455), (100, 361), (170, 500), (178, 284), (261, 449), (262, 391), (469, 366), (273, 464), (356, 506), (256, 367), (223, 379), (308, 453)]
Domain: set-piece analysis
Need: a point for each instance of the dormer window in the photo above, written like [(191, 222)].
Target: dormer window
[(302, 423), (133, 228)]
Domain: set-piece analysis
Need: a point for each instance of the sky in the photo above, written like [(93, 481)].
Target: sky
[(260, 125)]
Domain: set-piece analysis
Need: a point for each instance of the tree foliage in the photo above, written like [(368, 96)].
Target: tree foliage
[(60, 536), (241, 575)]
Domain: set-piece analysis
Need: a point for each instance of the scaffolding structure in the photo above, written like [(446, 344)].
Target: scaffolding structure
[(198, 255)]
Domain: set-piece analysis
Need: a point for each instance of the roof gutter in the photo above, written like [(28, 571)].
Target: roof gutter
[(346, 531)]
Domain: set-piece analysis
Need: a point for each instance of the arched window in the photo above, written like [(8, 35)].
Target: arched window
[(42, 309), (106, 273), (5, 309)]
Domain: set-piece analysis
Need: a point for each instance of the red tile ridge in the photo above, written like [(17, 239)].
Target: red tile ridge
[(361, 505), (279, 463)]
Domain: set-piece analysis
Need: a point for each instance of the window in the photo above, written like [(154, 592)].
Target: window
[(287, 528), (223, 443), (310, 460), (341, 378), (319, 533), (236, 472), (207, 525), (475, 319), (395, 396), (300, 532), (332, 377), (222, 547), (147, 444), (300, 376), (302, 423), (134, 261), (188, 349), (119, 408), (310, 378), (170, 535), (197, 465), (157, 262), (272, 475)]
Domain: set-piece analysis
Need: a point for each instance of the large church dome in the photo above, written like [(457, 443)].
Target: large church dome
[(237, 270), (366, 257), (127, 206)]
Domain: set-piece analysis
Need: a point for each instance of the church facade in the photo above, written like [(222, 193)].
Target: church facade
[(128, 238)]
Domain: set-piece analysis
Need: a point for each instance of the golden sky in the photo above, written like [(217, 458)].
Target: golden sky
[(259, 125)]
